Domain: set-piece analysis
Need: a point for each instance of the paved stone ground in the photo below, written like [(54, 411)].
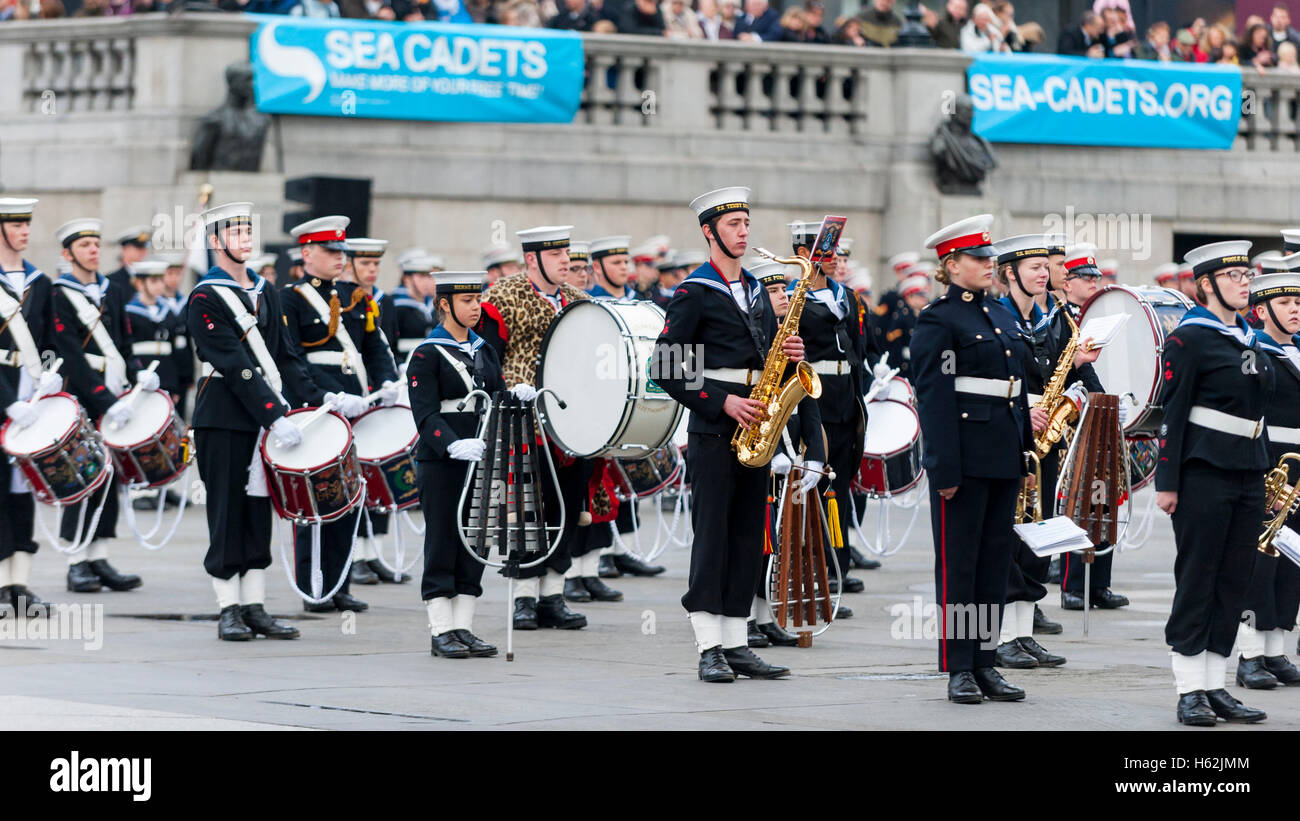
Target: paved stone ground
[(632, 668)]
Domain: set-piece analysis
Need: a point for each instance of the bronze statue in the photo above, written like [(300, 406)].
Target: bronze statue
[(230, 137), (962, 158)]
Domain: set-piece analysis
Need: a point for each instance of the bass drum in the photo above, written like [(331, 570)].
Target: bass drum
[(596, 357), (891, 455), (1130, 365)]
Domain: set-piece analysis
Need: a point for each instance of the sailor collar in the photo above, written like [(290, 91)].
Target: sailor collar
[(1239, 331), (96, 291), (709, 276), (30, 274), (440, 336), (216, 276), (597, 290), (156, 312)]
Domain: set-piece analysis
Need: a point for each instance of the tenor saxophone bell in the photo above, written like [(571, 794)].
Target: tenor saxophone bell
[(1280, 493)]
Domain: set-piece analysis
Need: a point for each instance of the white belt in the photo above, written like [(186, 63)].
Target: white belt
[(325, 358), (1226, 422), (1034, 399), (1001, 388), (179, 343), (1290, 436), (95, 361), (408, 345), (9, 358), (159, 348), (453, 405), (739, 376), (831, 367), (206, 370)]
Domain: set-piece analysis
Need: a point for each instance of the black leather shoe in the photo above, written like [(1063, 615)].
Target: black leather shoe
[(477, 647), (173, 498), (111, 578), (607, 569), (553, 612), (261, 623), (1229, 709), (230, 627), (346, 601), (385, 575), (323, 607), (1071, 601), (525, 613), (962, 688), (1054, 571), (1253, 675), (81, 579), (146, 503), (576, 590), (26, 603), (1283, 670), (860, 562), (1194, 710), (599, 590), (754, 637), (743, 662), (362, 574), (1104, 599), (7, 609), (776, 636), (1040, 654), (1044, 626), (1011, 654), (995, 687), (449, 646), (851, 585), (845, 612), (714, 667), (632, 565)]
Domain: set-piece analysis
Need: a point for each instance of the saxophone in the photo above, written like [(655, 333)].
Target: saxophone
[(1278, 492), (1060, 411), (756, 444)]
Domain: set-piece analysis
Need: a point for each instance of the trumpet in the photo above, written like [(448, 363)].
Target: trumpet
[(1279, 492), (1029, 504)]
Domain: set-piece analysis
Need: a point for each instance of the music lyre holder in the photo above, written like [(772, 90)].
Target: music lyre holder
[(797, 584), (501, 517)]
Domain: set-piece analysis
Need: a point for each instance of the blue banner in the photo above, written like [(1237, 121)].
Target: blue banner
[(1027, 98), (416, 71)]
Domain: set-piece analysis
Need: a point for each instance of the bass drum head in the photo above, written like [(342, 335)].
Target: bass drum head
[(151, 410), (892, 427), (324, 442), (1129, 366), (899, 390), (58, 415), (382, 432)]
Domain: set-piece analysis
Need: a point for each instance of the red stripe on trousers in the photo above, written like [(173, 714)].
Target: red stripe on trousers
[(943, 559)]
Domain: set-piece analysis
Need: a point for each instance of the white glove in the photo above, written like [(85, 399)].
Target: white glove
[(470, 450), (1077, 394), (348, 404), (881, 373), (286, 432), (524, 392), (22, 413), (1123, 414), (810, 479), (780, 464), (147, 381), (118, 415), (388, 393), (50, 382)]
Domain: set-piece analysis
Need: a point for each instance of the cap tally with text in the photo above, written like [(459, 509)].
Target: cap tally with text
[(367, 247), (969, 236), (579, 250), (1290, 240), (914, 284), (1216, 256), (226, 215), (609, 246), (499, 255), (670, 262), (459, 282), (16, 209), (844, 248), (720, 201), (329, 232), (137, 235), (1166, 273), (545, 237), (1267, 286), (1022, 246), (803, 233), (149, 268), (901, 262), (1055, 244), (73, 230), (769, 273)]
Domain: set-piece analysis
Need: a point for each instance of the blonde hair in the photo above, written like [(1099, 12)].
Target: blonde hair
[(941, 273)]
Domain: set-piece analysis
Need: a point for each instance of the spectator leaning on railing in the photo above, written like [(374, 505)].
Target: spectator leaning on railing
[(880, 23), (723, 25), (760, 22), (576, 15), (642, 17), (1079, 39), (1280, 30), (1156, 44), (945, 31), (1256, 48), (680, 21), (981, 34), (849, 33), (316, 9), (1004, 15), (814, 13)]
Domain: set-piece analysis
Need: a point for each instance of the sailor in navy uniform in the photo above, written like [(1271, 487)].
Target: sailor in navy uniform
[(611, 268), (334, 327), (134, 244), (294, 254), (235, 321), (1024, 268), (410, 315), (91, 334), (1056, 276), (1217, 386), (182, 354), (501, 261), (711, 352), (443, 370), (24, 301), (1082, 281), (891, 301), (153, 325), (969, 368), (1273, 595), (579, 265)]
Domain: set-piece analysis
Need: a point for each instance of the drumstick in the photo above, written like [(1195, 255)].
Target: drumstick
[(135, 392), (370, 397), (878, 385), (36, 397)]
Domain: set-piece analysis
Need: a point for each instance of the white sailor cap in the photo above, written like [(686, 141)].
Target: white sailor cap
[(914, 282), (260, 262), (579, 250), (498, 254), (691, 259), (803, 233), (720, 201), (860, 281), (149, 268), (329, 232), (418, 264), (1284, 283), (901, 262), (545, 237), (410, 253), (294, 253), (173, 260), (1215, 256), (969, 236), (73, 230), (16, 209), (367, 247), (1022, 246), (1266, 262), (845, 247), (437, 262), (1166, 273), (1290, 240), (770, 273), (609, 246), (1082, 258), (459, 282), (231, 213), (1055, 244), (136, 235)]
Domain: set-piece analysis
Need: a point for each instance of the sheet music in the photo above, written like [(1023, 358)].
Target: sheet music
[(1051, 536), (1102, 330), (1287, 542)]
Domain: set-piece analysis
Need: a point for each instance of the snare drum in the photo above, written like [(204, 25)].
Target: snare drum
[(891, 455), (149, 451), (386, 440), (59, 454), (318, 480), (1130, 365), (600, 366), (899, 390), (639, 478)]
